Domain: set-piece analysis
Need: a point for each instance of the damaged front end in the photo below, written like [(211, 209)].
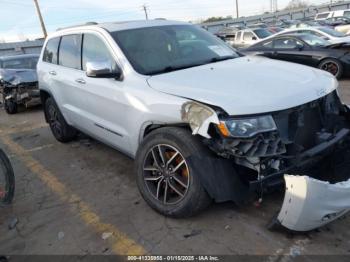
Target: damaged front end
[(306, 142), (19, 87)]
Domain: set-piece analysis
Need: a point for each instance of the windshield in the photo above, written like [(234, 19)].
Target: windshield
[(262, 33), (155, 50), (20, 63), (314, 40), (332, 32)]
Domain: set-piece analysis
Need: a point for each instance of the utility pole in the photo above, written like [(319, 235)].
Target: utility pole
[(40, 18), (274, 6), (144, 7), (237, 10)]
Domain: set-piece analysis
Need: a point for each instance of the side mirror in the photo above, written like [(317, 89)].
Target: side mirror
[(104, 69), (254, 38)]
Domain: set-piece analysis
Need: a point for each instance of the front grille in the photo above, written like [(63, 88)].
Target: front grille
[(300, 126), (262, 145)]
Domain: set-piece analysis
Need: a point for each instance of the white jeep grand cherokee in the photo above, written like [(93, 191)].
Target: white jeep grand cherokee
[(202, 121)]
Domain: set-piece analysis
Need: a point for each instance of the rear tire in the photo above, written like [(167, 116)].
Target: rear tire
[(7, 180), (332, 66), (60, 129), (184, 194), (11, 107)]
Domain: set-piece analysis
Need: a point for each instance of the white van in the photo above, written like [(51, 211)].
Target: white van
[(345, 13), (324, 15), (330, 14)]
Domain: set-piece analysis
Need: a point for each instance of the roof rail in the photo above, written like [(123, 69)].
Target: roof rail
[(72, 26)]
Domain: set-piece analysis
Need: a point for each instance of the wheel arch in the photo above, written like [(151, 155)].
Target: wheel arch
[(329, 58), (151, 126), (44, 95)]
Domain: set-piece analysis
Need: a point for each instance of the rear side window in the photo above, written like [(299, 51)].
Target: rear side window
[(51, 50), (95, 50), (286, 43), (322, 16), (70, 51), (347, 14)]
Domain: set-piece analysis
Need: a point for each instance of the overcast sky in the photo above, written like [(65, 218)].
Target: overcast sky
[(18, 18)]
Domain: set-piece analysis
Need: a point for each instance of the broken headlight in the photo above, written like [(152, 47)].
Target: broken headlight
[(247, 127)]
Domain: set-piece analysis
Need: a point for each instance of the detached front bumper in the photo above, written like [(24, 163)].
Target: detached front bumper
[(311, 203)]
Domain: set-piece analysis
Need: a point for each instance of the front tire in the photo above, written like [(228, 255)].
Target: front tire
[(165, 172), (332, 66), (11, 107), (60, 129), (7, 180)]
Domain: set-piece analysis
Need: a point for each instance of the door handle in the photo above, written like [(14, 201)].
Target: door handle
[(53, 73), (80, 81)]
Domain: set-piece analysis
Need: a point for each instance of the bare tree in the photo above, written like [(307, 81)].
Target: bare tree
[(297, 4)]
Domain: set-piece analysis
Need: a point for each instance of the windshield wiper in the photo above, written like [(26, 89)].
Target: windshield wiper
[(174, 68), (169, 69), (222, 58)]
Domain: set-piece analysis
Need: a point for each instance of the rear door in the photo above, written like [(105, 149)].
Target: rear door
[(69, 77)]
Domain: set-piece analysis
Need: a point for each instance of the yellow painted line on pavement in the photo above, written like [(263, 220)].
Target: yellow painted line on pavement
[(121, 243), (21, 129)]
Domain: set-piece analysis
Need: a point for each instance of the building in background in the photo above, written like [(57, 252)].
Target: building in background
[(17, 48)]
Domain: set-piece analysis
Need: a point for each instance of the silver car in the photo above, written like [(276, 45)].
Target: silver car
[(202, 121)]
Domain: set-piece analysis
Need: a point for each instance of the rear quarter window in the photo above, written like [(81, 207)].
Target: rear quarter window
[(51, 51)]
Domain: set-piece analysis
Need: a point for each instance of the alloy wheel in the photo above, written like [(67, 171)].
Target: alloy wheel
[(331, 67), (166, 174)]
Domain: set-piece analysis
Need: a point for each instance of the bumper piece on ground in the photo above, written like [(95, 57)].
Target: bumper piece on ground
[(310, 203)]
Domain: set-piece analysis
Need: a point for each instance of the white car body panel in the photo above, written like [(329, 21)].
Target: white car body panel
[(292, 85), (310, 203), (330, 38)]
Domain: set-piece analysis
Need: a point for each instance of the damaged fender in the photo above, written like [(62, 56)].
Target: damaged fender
[(310, 203), (199, 117)]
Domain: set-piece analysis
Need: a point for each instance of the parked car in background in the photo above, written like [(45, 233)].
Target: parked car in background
[(342, 13), (337, 21), (19, 82), (305, 49), (306, 24), (274, 29), (248, 37), (343, 27), (162, 92), (323, 15), (228, 33), (324, 32)]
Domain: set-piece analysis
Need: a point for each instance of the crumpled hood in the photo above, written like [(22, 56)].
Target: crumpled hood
[(247, 85), (18, 76)]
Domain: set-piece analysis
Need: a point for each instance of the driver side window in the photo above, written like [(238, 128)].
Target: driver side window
[(94, 50)]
